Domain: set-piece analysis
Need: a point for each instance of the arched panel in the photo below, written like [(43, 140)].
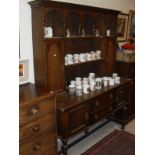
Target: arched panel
[(55, 68)]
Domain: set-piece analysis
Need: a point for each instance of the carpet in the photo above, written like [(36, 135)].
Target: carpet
[(116, 143)]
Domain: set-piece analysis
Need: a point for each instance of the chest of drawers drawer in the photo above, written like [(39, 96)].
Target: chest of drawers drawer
[(37, 122), (101, 101), (42, 145), (37, 127), (35, 110)]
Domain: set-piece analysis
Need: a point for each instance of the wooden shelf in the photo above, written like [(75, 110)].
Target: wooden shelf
[(75, 37), (81, 63)]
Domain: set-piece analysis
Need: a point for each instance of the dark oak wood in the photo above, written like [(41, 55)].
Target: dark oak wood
[(37, 132), (76, 114), (109, 50), (50, 72)]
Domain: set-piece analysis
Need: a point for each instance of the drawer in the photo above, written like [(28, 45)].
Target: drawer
[(36, 109), (42, 145), (122, 94), (37, 127), (102, 113), (102, 100)]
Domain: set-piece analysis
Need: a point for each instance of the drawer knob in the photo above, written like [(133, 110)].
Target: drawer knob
[(117, 99), (34, 110), (97, 103), (86, 116), (36, 128), (110, 108), (111, 96), (121, 91), (125, 108), (96, 117), (37, 147)]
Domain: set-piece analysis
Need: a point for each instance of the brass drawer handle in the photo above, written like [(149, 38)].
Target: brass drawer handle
[(34, 110), (37, 147), (36, 128)]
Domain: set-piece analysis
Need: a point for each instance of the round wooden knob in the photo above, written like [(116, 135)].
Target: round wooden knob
[(97, 103), (111, 96), (96, 116), (122, 92), (110, 108), (36, 128), (37, 147), (34, 111)]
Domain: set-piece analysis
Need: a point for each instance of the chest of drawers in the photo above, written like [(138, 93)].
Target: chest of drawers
[(37, 122)]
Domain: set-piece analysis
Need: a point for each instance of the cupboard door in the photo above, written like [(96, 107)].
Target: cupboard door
[(55, 67), (72, 121), (109, 49), (77, 118)]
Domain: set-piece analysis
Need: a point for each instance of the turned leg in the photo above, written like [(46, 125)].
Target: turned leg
[(64, 147), (86, 131), (123, 126)]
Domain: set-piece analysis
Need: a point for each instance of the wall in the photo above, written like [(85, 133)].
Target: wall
[(26, 48)]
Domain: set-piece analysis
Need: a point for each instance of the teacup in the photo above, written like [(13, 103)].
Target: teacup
[(48, 32), (82, 57), (98, 83), (86, 88), (79, 90), (88, 57), (93, 55), (92, 85), (76, 58), (105, 83), (114, 75), (117, 80), (108, 32), (72, 82), (111, 82), (72, 89), (98, 54)]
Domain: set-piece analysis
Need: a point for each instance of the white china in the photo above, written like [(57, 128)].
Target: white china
[(114, 75), (108, 32), (117, 80), (79, 90), (86, 88), (111, 82), (92, 85), (72, 89), (98, 83), (48, 32)]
